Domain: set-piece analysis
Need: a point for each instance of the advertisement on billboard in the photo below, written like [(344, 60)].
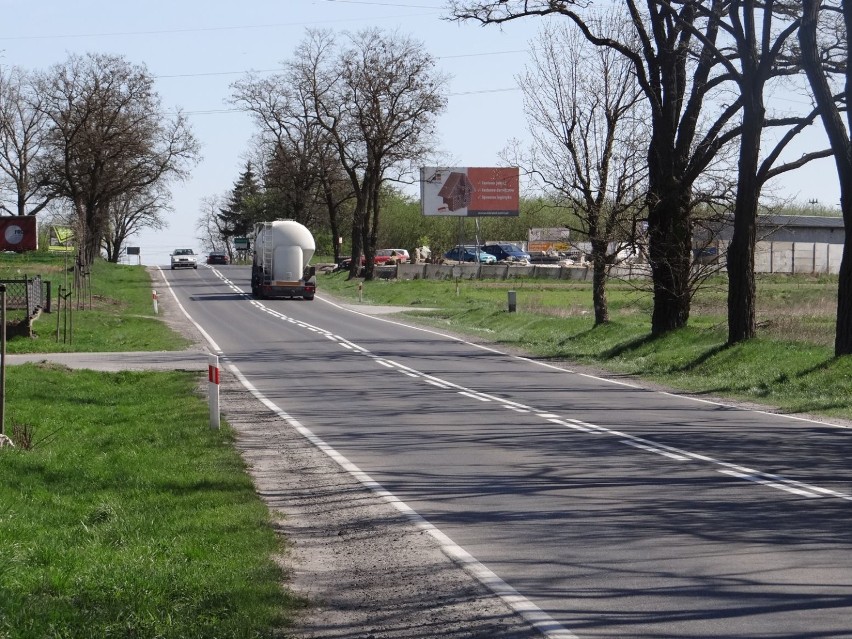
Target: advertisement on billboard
[(18, 233), (469, 191), (60, 240), (548, 239)]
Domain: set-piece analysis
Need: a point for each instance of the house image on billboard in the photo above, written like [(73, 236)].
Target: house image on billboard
[(457, 191)]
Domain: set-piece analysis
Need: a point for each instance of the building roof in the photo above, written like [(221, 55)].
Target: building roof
[(801, 221)]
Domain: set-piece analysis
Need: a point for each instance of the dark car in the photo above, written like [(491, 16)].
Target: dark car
[(507, 252), (469, 254), (217, 257)]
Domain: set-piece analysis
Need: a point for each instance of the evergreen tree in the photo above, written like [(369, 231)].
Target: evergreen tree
[(244, 206)]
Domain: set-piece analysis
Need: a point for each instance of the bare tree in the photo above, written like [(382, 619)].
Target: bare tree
[(212, 232), (110, 137), (758, 50), (290, 139), (23, 126), (377, 98), (839, 138), (584, 113), (130, 212), (677, 73)]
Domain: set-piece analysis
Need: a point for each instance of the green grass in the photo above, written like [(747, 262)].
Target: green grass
[(118, 316), (790, 365), (129, 517)]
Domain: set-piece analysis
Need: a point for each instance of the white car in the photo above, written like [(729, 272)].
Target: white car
[(184, 258)]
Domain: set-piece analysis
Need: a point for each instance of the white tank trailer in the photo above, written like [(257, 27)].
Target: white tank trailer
[(282, 251)]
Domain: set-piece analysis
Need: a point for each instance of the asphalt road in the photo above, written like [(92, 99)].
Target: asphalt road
[(601, 508)]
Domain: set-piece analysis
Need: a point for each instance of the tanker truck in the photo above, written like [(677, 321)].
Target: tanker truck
[(282, 250)]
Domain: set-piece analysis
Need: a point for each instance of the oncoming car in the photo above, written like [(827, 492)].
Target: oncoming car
[(217, 257), (184, 258)]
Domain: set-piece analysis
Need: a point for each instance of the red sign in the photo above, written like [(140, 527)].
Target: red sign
[(18, 233)]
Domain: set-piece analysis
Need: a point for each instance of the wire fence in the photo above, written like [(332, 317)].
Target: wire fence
[(30, 293)]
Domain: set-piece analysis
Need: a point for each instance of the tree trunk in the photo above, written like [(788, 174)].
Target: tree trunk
[(742, 322), (599, 277), (669, 251), (843, 331), (838, 136), (357, 247)]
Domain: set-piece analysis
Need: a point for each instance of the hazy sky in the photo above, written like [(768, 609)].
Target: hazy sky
[(196, 50)]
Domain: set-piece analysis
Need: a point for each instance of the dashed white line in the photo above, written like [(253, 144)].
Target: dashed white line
[(774, 481), (652, 449)]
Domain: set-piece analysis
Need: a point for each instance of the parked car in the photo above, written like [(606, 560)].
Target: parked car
[(469, 254), (507, 252), (381, 257), (184, 258), (384, 255), (217, 257)]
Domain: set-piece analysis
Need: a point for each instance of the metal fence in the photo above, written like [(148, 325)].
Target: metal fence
[(30, 294)]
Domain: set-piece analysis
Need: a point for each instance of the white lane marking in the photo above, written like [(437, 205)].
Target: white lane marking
[(566, 370), (515, 408), (568, 424), (638, 442), (474, 395), (652, 449), (531, 613), (213, 344), (760, 480)]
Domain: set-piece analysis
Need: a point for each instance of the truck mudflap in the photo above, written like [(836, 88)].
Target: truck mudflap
[(305, 290)]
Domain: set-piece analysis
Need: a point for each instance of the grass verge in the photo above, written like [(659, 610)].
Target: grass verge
[(790, 365), (129, 516), (117, 316)]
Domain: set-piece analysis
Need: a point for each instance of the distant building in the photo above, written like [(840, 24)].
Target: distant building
[(792, 228)]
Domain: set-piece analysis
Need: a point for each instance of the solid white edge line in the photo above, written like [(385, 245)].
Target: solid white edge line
[(766, 482), (206, 335), (531, 613), (675, 453)]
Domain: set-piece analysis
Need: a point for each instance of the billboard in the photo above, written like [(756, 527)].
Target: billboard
[(548, 239), (61, 240), (469, 191), (18, 233)]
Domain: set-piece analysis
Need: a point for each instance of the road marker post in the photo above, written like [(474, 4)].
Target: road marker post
[(213, 389), (360, 292), (154, 297)]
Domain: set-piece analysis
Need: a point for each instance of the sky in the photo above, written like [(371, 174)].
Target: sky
[(196, 50)]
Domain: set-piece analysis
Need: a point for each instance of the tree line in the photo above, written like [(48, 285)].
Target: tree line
[(703, 69), (89, 140), (649, 120)]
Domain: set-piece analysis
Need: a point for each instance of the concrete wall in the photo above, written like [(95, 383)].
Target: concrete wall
[(502, 271), (797, 257), (769, 257)]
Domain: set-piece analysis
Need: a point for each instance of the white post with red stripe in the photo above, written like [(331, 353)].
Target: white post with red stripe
[(213, 389), (154, 297)]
